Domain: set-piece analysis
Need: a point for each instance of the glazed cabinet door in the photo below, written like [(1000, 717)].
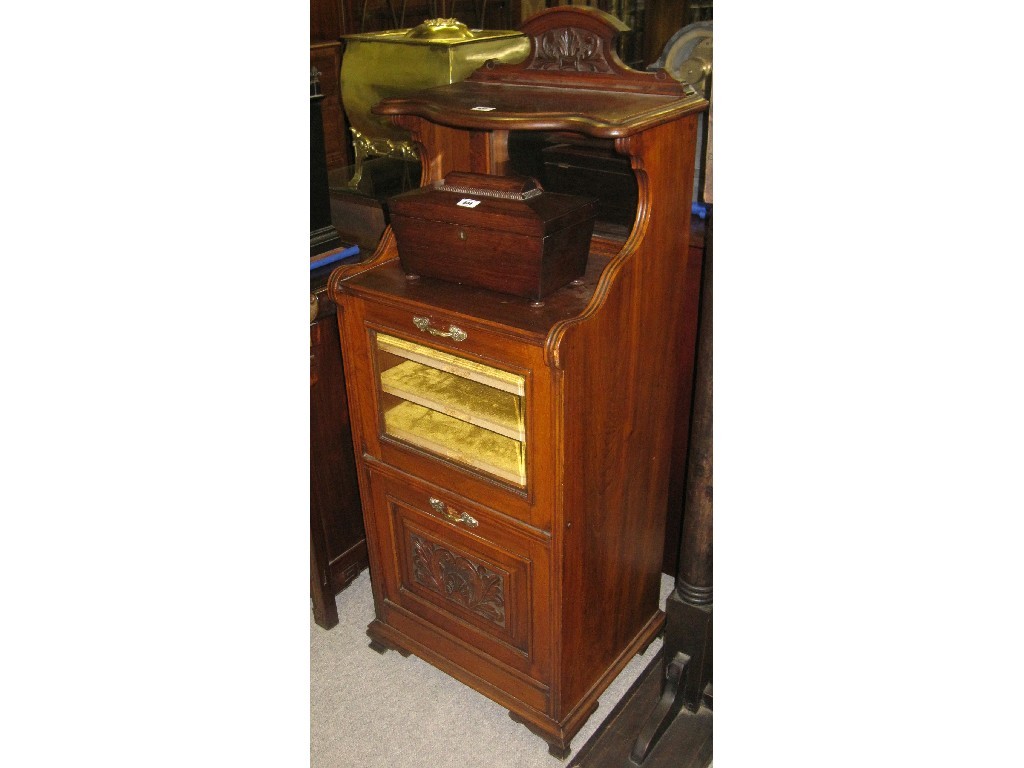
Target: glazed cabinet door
[(459, 406), (463, 581), (454, 407)]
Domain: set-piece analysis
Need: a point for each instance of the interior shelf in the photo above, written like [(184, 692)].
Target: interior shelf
[(468, 369), (467, 400), (457, 408), (458, 440)]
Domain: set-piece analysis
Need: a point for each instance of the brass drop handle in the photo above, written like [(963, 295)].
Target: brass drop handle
[(454, 332), (441, 509)]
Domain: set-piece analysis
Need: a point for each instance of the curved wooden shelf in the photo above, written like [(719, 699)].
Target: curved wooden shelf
[(572, 80), (603, 114)]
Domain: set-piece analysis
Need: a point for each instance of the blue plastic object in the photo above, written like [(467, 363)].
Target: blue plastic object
[(337, 256)]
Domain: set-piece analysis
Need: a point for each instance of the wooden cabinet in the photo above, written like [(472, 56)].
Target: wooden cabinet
[(513, 455), (326, 57), (337, 540), (327, 23)]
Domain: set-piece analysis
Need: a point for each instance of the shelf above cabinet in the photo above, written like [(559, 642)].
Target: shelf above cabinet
[(571, 80), (500, 106)]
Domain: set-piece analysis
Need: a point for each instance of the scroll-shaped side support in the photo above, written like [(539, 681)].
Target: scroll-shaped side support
[(656, 174), (664, 712), (386, 251)]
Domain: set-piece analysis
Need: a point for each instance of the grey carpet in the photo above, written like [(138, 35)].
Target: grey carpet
[(387, 711)]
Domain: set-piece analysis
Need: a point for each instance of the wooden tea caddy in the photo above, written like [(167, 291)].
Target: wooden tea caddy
[(499, 232)]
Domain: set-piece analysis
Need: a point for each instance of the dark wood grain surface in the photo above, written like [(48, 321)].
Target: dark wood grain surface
[(485, 106), (507, 314), (337, 538), (524, 245)]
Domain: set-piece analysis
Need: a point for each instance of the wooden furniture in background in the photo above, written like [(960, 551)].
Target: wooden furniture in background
[(681, 431), (323, 236), (337, 547), (327, 58), (337, 541), (515, 528), (327, 23)]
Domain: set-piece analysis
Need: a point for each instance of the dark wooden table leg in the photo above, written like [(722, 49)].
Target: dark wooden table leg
[(688, 624), (325, 609)]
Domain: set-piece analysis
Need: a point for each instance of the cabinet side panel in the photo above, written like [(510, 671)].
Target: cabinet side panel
[(359, 382), (332, 460), (622, 368)]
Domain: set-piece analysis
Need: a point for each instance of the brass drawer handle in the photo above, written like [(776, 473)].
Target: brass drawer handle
[(464, 518), (454, 332)]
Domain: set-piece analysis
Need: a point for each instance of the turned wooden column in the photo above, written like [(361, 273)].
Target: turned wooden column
[(688, 628), (689, 608), (693, 582)]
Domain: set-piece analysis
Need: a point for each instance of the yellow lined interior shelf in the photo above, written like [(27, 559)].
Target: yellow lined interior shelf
[(460, 409), (464, 399), (467, 369), (458, 440)]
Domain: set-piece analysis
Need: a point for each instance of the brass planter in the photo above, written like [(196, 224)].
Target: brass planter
[(377, 65)]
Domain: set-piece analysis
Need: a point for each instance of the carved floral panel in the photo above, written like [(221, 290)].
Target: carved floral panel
[(457, 578), (569, 48)]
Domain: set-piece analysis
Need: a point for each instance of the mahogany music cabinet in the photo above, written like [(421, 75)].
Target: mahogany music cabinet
[(513, 455)]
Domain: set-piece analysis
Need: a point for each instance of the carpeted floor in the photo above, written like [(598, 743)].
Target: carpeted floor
[(388, 711)]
